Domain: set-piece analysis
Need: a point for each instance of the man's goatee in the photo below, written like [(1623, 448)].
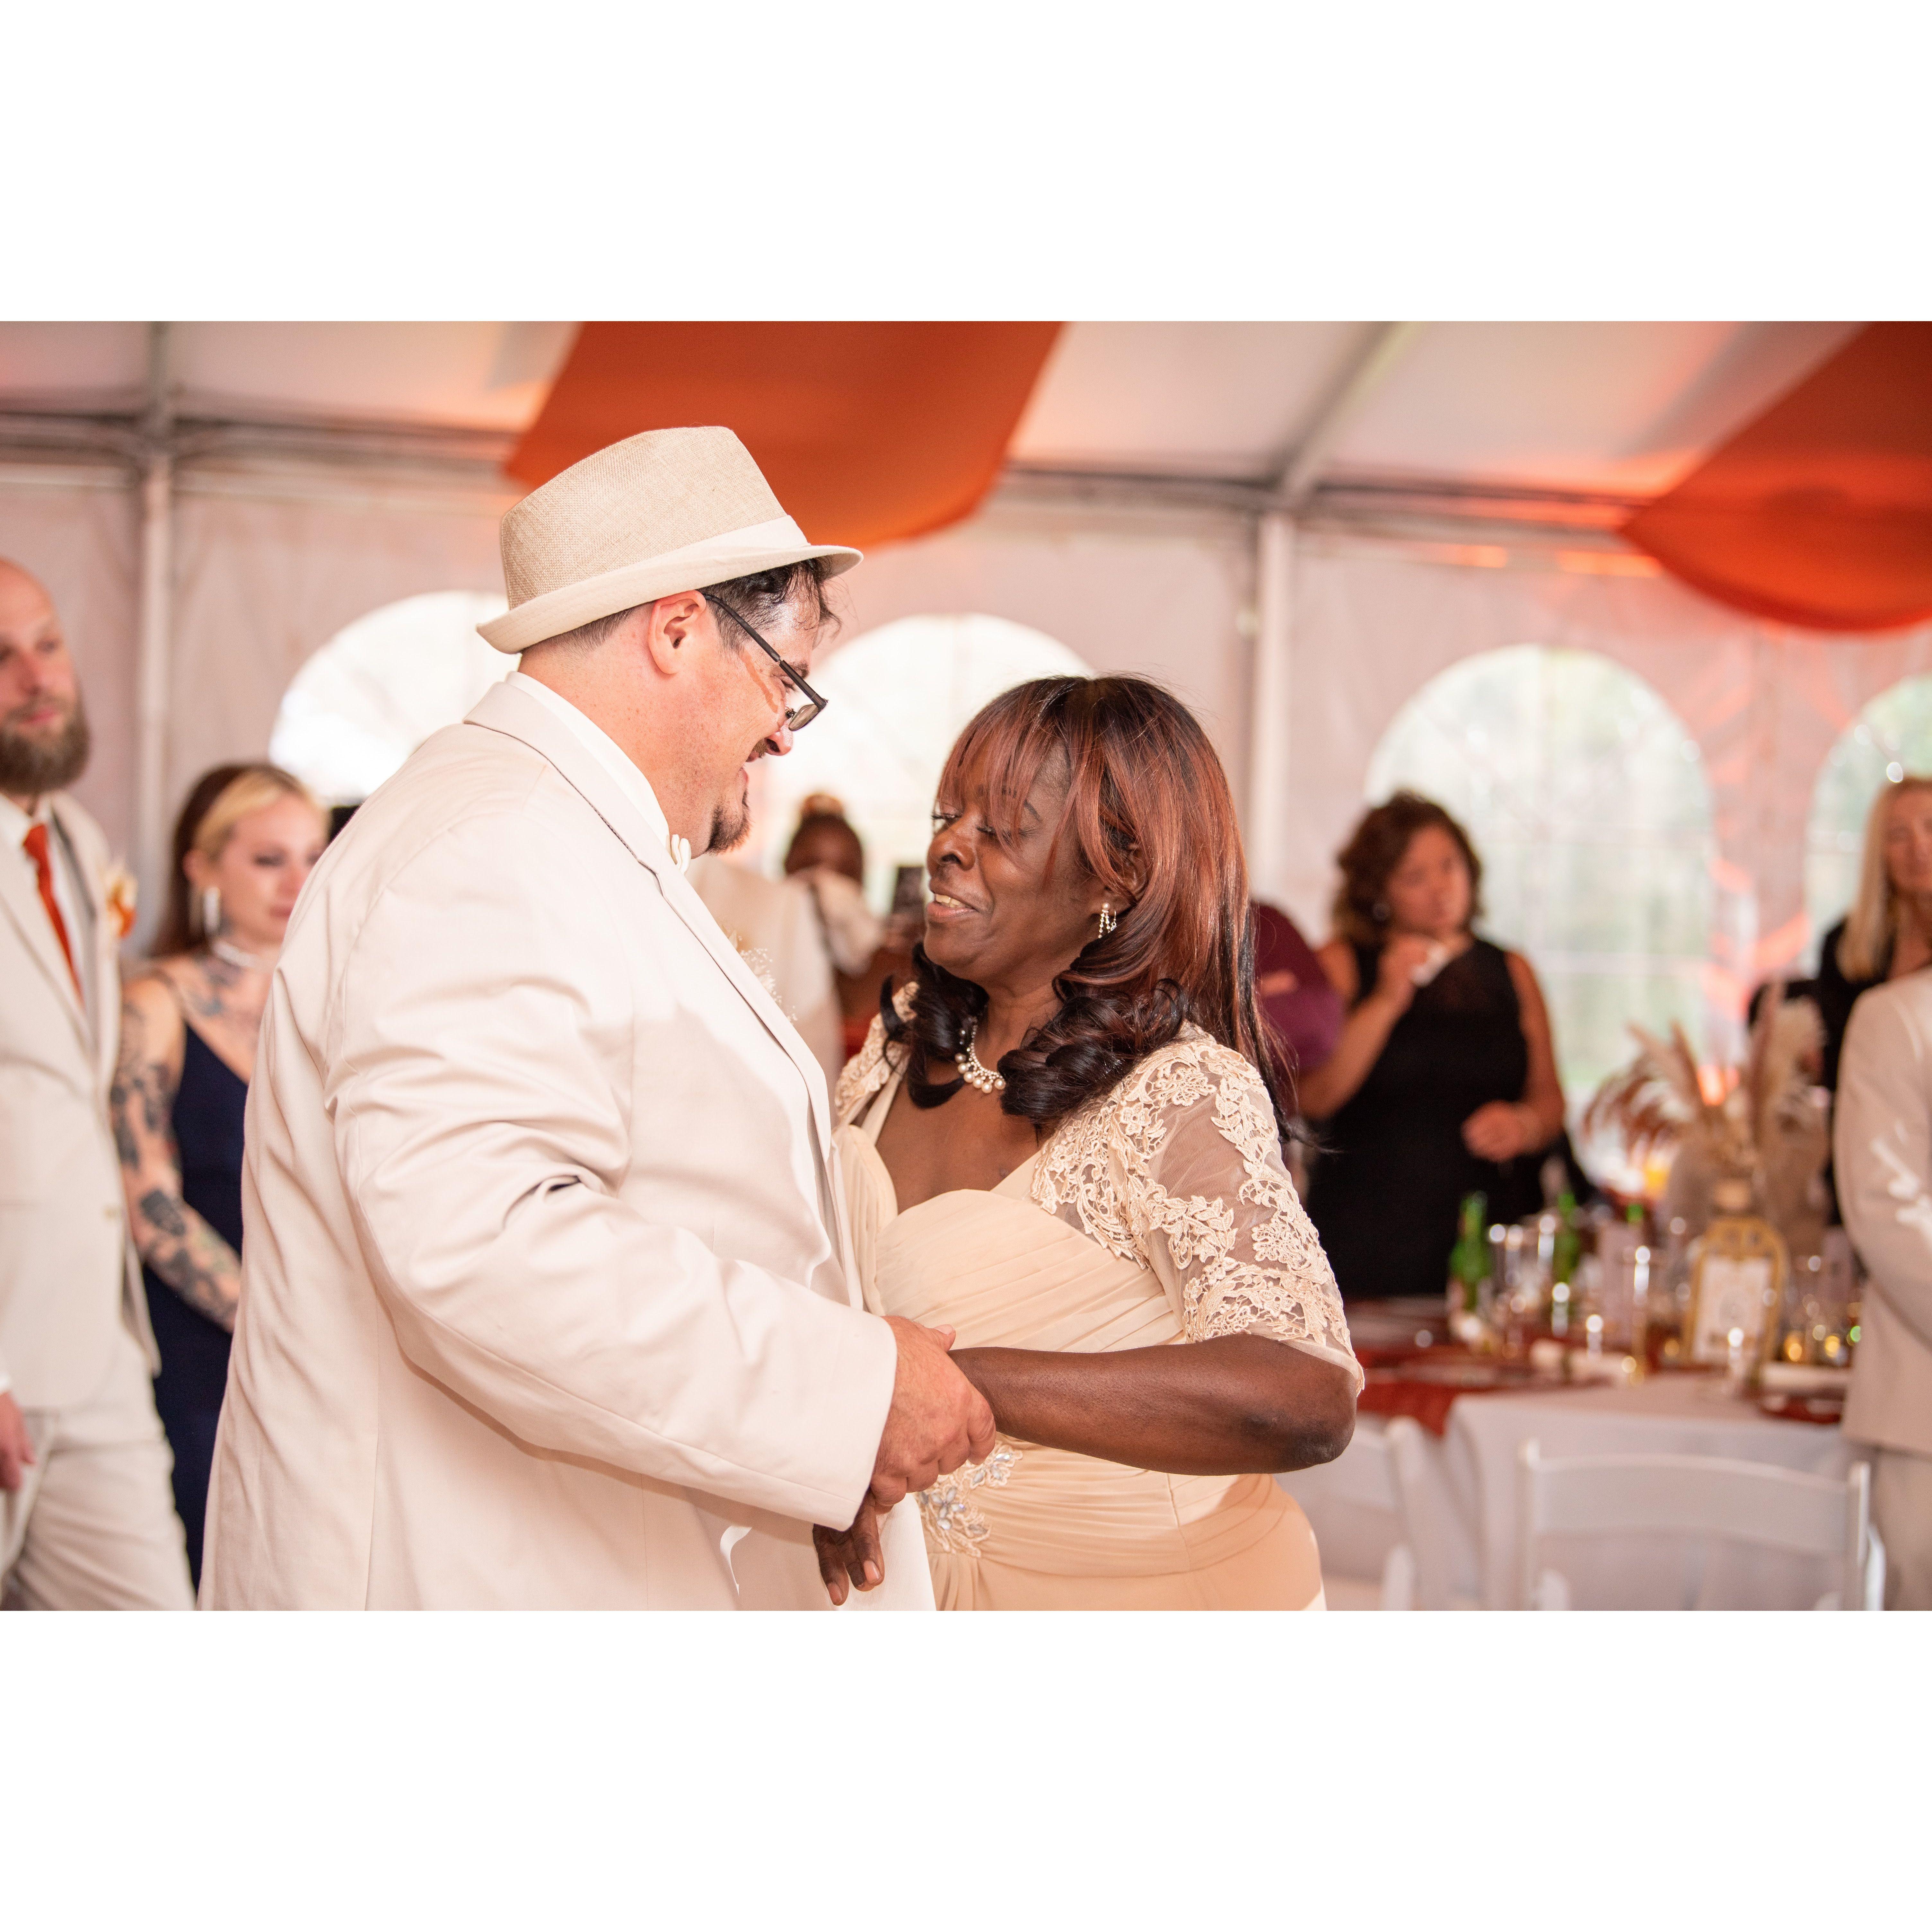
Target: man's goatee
[(729, 829), (29, 767)]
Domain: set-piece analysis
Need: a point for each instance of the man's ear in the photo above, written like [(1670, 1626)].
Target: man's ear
[(671, 628)]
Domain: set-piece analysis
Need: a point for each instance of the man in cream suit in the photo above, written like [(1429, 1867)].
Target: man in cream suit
[(87, 1518), (1882, 1154), (546, 1300)]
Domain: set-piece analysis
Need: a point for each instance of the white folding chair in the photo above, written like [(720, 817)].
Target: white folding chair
[(1419, 1503), (1369, 1475), (1696, 1495)]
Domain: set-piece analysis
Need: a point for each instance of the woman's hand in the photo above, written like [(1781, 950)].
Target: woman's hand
[(1502, 1130), (851, 1559), (17, 1446), (1401, 959)]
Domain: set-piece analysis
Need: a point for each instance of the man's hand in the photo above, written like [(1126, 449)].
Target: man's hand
[(852, 1553), (16, 1448), (938, 1420)]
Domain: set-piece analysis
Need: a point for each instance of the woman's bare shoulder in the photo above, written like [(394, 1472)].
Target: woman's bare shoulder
[(1522, 974), (155, 992)]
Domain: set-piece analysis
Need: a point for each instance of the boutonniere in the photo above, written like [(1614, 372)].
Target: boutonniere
[(758, 962), (122, 894)]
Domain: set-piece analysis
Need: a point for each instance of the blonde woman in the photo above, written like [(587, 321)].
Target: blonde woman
[(247, 838), (1888, 933)]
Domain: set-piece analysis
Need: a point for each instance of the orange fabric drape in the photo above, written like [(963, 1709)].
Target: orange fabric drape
[(1819, 513), (867, 430)]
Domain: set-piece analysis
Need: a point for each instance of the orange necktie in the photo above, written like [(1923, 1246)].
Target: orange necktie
[(35, 846)]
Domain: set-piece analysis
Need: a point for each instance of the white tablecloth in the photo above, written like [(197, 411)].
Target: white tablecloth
[(1470, 1510)]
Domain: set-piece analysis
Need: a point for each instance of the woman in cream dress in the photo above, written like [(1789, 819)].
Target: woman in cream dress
[(1058, 1143)]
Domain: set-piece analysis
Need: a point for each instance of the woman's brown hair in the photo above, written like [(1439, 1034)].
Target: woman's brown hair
[(220, 799), (1151, 818), (1375, 849)]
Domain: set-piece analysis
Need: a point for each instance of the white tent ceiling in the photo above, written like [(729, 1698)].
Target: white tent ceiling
[(1621, 407)]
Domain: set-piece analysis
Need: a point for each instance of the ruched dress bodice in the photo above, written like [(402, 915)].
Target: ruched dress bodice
[(1038, 1528)]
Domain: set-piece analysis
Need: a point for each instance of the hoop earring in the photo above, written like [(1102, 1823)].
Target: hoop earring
[(1107, 921), (210, 911)]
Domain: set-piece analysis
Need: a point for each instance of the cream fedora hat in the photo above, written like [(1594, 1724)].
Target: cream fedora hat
[(673, 509)]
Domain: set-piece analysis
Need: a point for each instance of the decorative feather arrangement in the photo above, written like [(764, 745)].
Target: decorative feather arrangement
[(1658, 1100), (1769, 1128)]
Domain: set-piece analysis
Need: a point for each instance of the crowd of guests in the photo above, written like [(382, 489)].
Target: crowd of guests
[(1102, 1026)]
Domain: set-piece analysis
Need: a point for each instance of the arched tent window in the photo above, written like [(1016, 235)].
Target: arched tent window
[(1890, 736), (382, 685), (896, 699), (1586, 798)]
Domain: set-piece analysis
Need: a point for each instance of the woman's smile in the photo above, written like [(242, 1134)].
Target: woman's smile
[(948, 907)]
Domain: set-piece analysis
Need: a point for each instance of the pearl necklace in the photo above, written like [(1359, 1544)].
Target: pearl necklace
[(246, 961), (973, 1074)]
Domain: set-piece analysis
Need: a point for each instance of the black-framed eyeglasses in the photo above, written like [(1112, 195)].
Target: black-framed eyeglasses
[(797, 716)]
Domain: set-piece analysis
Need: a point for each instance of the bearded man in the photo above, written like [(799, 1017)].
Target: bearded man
[(546, 1297), (87, 1517)]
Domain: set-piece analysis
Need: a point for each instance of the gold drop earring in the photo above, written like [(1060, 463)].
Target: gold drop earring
[(1107, 921)]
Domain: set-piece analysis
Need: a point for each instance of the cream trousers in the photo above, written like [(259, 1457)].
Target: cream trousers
[(93, 1527), (1902, 1509)]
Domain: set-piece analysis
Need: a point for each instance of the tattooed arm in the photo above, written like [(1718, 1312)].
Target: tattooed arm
[(173, 1240)]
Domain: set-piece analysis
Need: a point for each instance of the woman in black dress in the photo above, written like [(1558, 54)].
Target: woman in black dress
[(247, 838), (1444, 1083)]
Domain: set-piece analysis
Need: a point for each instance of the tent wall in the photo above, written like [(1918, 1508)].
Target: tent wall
[(1159, 597), (267, 572), (1374, 621), (264, 581), (80, 533)]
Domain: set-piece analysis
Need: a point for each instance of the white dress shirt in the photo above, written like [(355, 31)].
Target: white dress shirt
[(612, 757)]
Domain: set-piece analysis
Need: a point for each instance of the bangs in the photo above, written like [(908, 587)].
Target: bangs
[(1001, 755)]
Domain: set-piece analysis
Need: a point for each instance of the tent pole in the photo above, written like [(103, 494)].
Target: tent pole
[(154, 663), (1364, 373), (1270, 699)]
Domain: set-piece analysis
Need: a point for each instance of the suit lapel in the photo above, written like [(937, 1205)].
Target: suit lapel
[(505, 710), (22, 899)]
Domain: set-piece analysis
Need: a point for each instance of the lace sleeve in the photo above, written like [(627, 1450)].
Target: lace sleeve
[(867, 1070), (865, 1073), (1211, 1209)]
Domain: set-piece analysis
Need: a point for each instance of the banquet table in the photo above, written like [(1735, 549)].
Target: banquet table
[(1467, 1518)]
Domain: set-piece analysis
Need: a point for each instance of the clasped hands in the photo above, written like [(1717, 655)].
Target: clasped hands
[(937, 1420)]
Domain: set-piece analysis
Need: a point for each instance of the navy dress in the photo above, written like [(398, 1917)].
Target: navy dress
[(207, 1120), (1388, 1182)]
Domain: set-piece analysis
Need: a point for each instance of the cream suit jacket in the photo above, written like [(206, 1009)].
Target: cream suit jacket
[(1881, 1155), (543, 1296), (67, 1279)]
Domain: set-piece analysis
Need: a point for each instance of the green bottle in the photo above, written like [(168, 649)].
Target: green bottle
[(1566, 1249), (1469, 1259), (1569, 1247)]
